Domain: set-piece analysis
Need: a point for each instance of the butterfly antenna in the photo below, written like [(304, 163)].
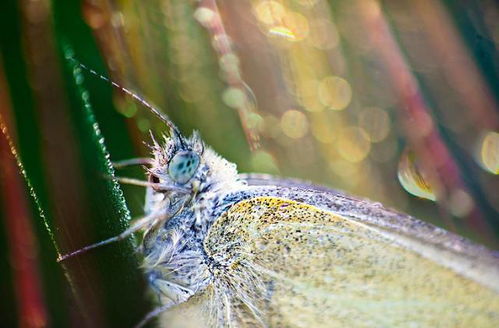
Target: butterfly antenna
[(136, 97)]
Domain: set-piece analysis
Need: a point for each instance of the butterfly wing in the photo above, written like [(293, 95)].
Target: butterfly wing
[(471, 260), (291, 254), (285, 263)]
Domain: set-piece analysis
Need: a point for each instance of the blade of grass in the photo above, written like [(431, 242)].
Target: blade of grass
[(65, 160), (28, 145), (117, 263), (23, 248)]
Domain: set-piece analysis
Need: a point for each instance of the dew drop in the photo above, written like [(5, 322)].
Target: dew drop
[(205, 16), (488, 152), (234, 97), (412, 178)]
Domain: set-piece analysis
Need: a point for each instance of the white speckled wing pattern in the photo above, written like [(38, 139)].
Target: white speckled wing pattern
[(289, 254)]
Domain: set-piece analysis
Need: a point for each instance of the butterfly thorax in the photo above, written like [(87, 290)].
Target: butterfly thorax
[(175, 262)]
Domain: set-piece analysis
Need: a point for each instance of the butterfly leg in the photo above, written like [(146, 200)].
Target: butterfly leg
[(153, 314), (173, 293), (138, 225), (158, 186), (132, 161)]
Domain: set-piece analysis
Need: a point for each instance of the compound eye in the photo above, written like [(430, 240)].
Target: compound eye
[(183, 166)]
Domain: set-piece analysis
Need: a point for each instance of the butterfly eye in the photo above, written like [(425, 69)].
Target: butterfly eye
[(183, 166)]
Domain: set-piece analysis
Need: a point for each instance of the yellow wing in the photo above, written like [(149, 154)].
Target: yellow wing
[(288, 264)]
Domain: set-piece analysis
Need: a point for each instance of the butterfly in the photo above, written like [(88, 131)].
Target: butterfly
[(223, 249)]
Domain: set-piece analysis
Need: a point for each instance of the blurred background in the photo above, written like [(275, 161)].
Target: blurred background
[(395, 101)]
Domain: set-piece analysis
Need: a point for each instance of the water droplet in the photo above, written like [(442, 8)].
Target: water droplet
[(221, 42), (205, 16), (412, 178), (229, 62), (488, 152), (79, 78), (85, 96), (234, 97)]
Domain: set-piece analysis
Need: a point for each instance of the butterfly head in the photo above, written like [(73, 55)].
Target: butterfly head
[(176, 162), (188, 166)]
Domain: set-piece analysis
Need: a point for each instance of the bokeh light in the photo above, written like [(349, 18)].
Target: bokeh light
[(375, 122), (335, 93), (270, 12), (334, 90), (294, 124), (353, 144)]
